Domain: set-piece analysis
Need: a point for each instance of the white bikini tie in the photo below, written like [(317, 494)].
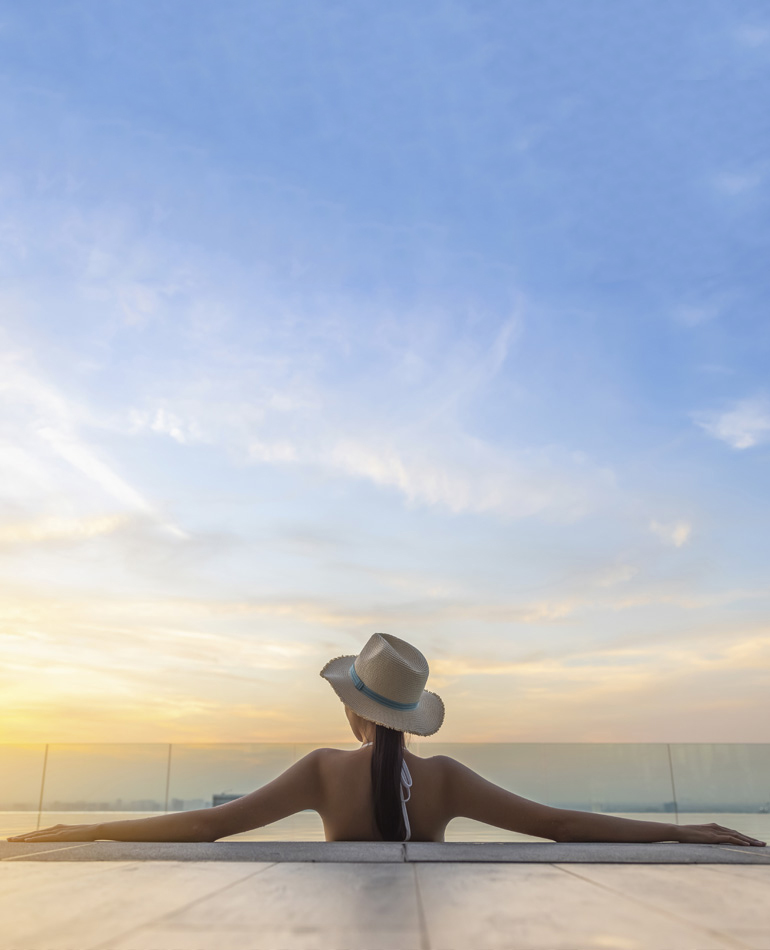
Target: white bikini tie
[(406, 782)]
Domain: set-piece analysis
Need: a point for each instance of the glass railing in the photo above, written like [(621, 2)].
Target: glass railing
[(41, 785)]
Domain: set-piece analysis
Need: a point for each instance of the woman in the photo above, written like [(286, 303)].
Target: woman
[(363, 795)]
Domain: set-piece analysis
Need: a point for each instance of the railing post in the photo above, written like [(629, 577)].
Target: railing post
[(673, 784), (42, 786), (168, 775)]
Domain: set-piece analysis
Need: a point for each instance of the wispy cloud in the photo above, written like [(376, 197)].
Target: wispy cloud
[(210, 661), (674, 532), (753, 35), (166, 423), (415, 440), (59, 529), (738, 182), (745, 424), (696, 314), (40, 426), (617, 574)]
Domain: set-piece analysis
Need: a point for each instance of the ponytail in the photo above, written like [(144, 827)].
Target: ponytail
[(387, 756)]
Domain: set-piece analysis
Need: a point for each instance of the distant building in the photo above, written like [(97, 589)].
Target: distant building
[(223, 798)]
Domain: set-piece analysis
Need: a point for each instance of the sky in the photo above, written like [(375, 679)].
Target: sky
[(446, 320)]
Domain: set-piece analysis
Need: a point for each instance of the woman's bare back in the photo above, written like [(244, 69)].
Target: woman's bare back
[(346, 807)]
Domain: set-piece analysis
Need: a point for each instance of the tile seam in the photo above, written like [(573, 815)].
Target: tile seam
[(423, 921), (31, 855), (732, 941), (106, 944)]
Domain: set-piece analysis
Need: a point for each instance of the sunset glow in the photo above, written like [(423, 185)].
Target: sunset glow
[(320, 321)]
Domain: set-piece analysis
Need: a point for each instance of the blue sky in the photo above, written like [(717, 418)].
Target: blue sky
[(321, 319)]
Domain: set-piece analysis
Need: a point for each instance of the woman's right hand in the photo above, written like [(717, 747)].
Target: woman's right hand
[(59, 833), (714, 834)]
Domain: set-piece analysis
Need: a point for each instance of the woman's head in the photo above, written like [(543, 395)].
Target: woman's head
[(385, 685)]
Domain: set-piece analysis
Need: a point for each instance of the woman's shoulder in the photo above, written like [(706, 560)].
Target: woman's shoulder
[(330, 753), (441, 763)]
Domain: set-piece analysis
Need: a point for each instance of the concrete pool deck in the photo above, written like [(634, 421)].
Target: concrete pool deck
[(388, 852), (316, 895)]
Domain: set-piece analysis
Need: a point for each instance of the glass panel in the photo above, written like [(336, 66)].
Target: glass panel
[(610, 777), (728, 783), (21, 768), (92, 782), (21, 772), (603, 777), (94, 777), (613, 778), (730, 777), (204, 774), (199, 772), (520, 767)]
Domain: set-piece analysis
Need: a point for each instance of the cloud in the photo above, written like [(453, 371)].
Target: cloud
[(578, 666), (708, 689), (41, 426), (736, 183), (617, 574), (184, 431), (752, 35), (408, 431), (80, 456), (213, 661), (431, 461), (352, 394), (60, 529), (743, 426), (693, 315), (675, 532), (460, 475)]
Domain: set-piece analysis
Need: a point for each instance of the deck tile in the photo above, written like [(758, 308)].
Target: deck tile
[(725, 903), (372, 906), (61, 910), (534, 906)]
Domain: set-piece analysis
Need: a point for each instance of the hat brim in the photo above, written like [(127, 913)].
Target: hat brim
[(424, 720)]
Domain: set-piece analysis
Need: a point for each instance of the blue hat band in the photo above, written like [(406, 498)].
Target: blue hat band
[(362, 687)]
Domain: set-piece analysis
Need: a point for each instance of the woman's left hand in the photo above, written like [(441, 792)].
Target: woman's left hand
[(59, 833)]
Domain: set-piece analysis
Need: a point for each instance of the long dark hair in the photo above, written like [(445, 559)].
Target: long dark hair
[(387, 756)]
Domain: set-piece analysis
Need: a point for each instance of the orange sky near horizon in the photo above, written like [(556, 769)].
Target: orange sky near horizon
[(183, 671)]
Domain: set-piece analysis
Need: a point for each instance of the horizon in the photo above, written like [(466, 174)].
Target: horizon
[(447, 323)]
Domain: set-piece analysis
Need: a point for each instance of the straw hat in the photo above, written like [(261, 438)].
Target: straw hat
[(385, 684)]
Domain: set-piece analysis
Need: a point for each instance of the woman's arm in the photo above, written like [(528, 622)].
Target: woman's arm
[(181, 826), (297, 788), (587, 826), (590, 826), (468, 795)]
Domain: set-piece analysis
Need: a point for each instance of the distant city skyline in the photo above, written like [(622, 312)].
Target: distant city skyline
[(443, 320), (610, 777)]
